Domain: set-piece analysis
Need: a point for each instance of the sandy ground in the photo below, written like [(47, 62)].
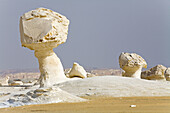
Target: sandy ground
[(100, 105)]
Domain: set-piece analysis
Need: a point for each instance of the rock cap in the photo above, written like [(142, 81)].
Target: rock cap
[(43, 27), (131, 60)]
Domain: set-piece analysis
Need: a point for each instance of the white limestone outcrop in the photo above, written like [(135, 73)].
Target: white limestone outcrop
[(77, 71), (132, 64), (16, 83), (18, 96), (167, 74), (42, 30), (155, 73), (4, 81), (66, 72), (90, 74)]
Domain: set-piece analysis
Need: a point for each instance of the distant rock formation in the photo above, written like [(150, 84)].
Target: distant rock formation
[(42, 30), (77, 71), (16, 83), (104, 72), (167, 74), (155, 73), (24, 75), (132, 64), (4, 81), (90, 74)]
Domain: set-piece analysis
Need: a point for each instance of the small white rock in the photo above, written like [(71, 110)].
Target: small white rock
[(132, 106), (77, 71)]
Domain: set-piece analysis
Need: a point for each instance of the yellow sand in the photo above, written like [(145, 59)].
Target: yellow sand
[(100, 105)]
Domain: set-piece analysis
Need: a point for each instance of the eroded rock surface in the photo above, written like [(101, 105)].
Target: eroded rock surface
[(16, 83), (37, 96), (90, 74), (155, 73), (132, 64), (43, 25), (4, 81), (167, 74)]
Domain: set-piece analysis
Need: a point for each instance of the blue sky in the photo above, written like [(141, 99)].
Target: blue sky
[(99, 31)]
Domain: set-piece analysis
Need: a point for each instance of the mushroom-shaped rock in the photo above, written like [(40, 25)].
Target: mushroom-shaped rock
[(42, 30), (132, 64), (77, 71), (167, 74), (155, 73), (4, 81)]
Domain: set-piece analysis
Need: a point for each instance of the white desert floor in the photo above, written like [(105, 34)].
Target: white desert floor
[(70, 91), (116, 86)]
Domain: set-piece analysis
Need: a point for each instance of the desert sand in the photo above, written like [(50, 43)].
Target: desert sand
[(100, 105)]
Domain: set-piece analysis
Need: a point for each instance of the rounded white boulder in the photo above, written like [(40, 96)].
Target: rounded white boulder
[(77, 71)]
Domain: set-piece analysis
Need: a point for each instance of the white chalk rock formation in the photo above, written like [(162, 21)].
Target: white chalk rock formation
[(90, 74), (20, 97), (77, 71), (16, 83), (66, 72), (167, 74), (155, 73), (132, 64), (42, 30), (4, 81)]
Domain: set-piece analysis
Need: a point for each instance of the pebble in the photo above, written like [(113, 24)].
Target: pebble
[(132, 106)]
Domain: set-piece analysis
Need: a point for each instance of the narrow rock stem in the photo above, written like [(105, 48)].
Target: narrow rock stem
[(135, 73), (50, 67)]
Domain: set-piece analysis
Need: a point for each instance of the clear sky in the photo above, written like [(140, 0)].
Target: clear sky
[(99, 31)]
